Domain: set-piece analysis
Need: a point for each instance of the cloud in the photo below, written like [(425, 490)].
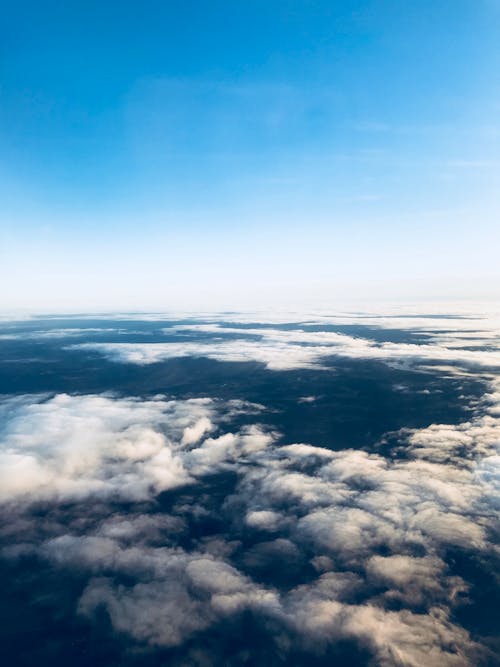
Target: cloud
[(264, 520), (193, 434), (75, 447), (49, 333), (159, 613), (320, 546), (416, 581), (174, 595), (307, 399), (177, 594), (291, 348), (71, 447), (396, 638)]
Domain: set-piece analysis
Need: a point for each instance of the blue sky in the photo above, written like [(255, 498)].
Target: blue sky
[(190, 154)]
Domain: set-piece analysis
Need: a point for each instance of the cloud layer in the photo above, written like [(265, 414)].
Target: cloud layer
[(300, 347), (319, 547)]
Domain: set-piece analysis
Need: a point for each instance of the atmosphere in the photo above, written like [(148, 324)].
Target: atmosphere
[(234, 154)]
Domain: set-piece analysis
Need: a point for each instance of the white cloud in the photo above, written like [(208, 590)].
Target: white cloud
[(57, 333), (375, 529), (160, 613), (193, 434), (414, 580), (176, 594), (99, 446), (294, 348), (264, 520)]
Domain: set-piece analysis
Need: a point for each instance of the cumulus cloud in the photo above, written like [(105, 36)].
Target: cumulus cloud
[(319, 545), (396, 638), (417, 581), (160, 613), (174, 593), (264, 519), (71, 447), (193, 434)]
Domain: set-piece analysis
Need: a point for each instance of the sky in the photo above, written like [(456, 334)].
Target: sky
[(242, 154)]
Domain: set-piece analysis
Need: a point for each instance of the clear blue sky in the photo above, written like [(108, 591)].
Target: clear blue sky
[(170, 154)]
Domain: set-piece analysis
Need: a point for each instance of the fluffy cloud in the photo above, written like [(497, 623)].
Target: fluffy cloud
[(174, 593), (396, 638), (71, 447), (319, 545), (264, 519)]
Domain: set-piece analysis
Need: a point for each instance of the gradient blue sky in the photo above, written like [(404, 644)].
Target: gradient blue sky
[(233, 154)]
